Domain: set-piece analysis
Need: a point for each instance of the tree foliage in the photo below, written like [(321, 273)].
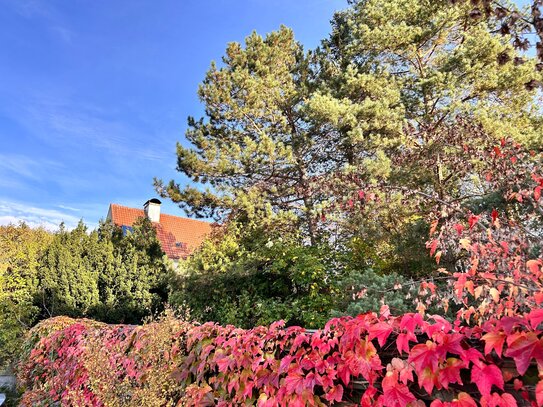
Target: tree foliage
[(20, 249), (522, 24), (279, 119), (254, 148), (99, 274), (252, 275), (491, 354), (348, 152), (103, 274), (453, 92)]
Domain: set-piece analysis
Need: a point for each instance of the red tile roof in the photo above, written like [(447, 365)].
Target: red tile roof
[(178, 236)]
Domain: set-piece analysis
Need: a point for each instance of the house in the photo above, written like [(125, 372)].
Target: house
[(178, 236)]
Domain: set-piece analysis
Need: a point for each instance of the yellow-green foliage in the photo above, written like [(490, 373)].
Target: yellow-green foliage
[(20, 248), (255, 273)]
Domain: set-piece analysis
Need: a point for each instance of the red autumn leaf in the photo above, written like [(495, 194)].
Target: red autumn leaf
[(384, 312), (539, 393), (485, 377), (428, 379), (367, 397), (496, 400), (450, 373), (285, 363), (537, 193), (404, 369), (460, 283), (294, 383), (523, 348), (297, 401), (438, 256), (535, 317), (472, 220), (423, 356), (335, 394), (224, 363), (300, 339), (411, 321), (465, 400), (494, 341), (402, 341), (344, 373), (459, 228), (432, 246), (248, 390), (534, 266), (381, 331), (395, 394), (441, 325), (433, 226), (509, 323), (494, 215)]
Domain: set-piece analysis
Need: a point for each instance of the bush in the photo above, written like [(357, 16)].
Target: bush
[(400, 360), (247, 275), (20, 249)]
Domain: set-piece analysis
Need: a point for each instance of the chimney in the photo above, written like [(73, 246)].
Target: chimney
[(152, 210)]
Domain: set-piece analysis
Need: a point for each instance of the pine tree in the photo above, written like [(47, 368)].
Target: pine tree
[(449, 75), (260, 149)]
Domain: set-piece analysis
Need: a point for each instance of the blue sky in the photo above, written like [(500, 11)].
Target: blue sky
[(95, 94)]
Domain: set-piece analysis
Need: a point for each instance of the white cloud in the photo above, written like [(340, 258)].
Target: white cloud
[(69, 208), (31, 8), (43, 10), (16, 164), (70, 123), (15, 212)]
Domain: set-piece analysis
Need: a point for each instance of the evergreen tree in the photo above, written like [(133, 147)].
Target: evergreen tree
[(69, 271), (337, 142), (282, 125), (135, 286), (258, 148), (103, 274), (20, 249), (455, 90)]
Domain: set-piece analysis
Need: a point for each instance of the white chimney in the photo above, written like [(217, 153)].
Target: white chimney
[(152, 209)]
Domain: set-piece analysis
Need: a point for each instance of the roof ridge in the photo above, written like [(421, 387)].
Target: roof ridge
[(124, 206), (187, 218), (171, 229), (165, 214)]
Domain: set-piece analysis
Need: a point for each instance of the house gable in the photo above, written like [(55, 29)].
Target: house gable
[(178, 236)]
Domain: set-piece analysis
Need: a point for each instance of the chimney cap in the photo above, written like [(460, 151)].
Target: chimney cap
[(153, 200)]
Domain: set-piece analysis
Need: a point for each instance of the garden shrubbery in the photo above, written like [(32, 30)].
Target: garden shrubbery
[(488, 353), (340, 178), (99, 274), (371, 360)]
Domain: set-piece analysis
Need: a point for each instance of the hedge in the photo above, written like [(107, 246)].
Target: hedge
[(370, 360)]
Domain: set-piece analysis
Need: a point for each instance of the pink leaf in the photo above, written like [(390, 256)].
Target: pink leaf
[(485, 377)]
